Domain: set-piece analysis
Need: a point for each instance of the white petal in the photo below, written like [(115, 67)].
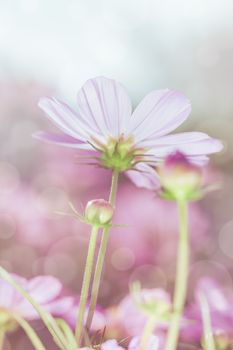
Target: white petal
[(174, 139), (198, 148), (66, 119), (62, 140), (105, 104), (159, 113)]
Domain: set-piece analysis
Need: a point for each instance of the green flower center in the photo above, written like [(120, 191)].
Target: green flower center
[(120, 154)]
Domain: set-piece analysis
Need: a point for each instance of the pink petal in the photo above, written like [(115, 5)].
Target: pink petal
[(144, 176), (99, 319), (44, 288), (214, 295), (66, 119), (159, 113), (62, 139), (105, 104), (60, 307), (8, 296), (111, 345), (155, 343)]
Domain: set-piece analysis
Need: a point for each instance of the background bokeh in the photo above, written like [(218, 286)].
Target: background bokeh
[(51, 48)]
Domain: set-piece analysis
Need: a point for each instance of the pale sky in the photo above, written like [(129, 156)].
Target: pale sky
[(146, 44)]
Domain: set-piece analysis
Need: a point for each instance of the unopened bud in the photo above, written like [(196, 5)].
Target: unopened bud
[(180, 178), (99, 212)]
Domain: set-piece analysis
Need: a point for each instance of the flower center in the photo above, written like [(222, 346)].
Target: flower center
[(120, 154), (6, 321)]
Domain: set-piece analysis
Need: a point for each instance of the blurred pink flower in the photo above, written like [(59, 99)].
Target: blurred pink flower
[(104, 120), (156, 342), (220, 306), (99, 319), (45, 290), (130, 319), (108, 345)]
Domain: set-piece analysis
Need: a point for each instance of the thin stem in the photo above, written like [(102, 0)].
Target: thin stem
[(2, 337), (181, 278), (35, 340), (206, 320), (86, 285), (101, 255), (147, 332)]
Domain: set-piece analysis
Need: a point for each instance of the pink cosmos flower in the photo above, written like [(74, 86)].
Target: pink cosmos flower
[(156, 342), (130, 318), (220, 306), (45, 290), (108, 345), (104, 122), (99, 319)]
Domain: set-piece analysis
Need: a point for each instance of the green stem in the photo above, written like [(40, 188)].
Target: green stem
[(147, 332), (208, 332), (101, 255), (35, 340), (181, 278), (2, 337), (86, 285)]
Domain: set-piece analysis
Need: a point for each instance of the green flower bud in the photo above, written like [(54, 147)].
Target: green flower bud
[(99, 212), (180, 179)]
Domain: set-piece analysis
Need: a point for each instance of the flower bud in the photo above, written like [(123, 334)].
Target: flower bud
[(98, 212), (180, 178)]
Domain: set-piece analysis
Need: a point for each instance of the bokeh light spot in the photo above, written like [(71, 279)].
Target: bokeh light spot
[(150, 276), (123, 259), (7, 226), (9, 178), (225, 239)]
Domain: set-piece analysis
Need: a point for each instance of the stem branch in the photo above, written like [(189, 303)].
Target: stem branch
[(86, 285), (2, 337), (101, 255), (206, 320), (147, 332)]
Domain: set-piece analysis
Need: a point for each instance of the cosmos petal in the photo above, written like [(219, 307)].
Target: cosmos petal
[(105, 105), (66, 119), (213, 294), (173, 139), (62, 139), (198, 148), (159, 113), (144, 176), (44, 288)]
